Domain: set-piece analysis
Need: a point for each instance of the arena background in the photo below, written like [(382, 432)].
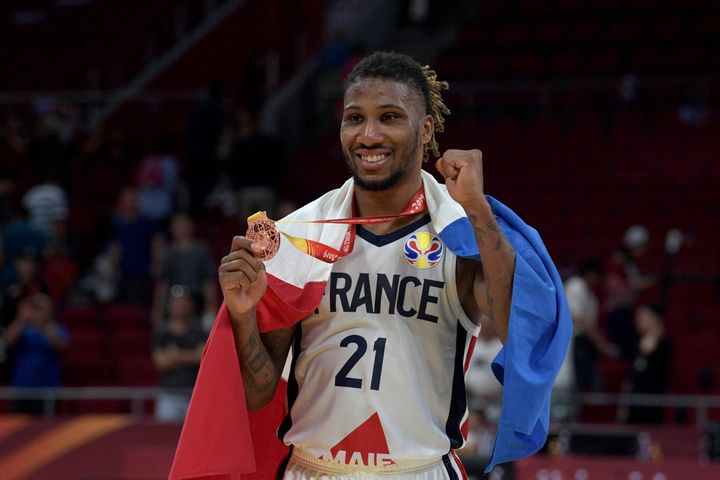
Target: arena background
[(592, 116)]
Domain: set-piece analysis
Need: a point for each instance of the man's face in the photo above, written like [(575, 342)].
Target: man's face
[(181, 227), (383, 130), (181, 307), (42, 308)]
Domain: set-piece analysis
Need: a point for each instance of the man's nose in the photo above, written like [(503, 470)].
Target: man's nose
[(371, 134)]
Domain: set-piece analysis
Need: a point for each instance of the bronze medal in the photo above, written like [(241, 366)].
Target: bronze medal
[(262, 231)]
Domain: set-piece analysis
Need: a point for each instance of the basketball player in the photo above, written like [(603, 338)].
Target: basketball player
[(376, 385)]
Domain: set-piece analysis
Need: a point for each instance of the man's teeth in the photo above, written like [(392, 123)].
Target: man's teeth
[(373, 158)]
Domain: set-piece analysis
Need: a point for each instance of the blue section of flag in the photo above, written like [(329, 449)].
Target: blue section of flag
[(458, 236), (538, 336)]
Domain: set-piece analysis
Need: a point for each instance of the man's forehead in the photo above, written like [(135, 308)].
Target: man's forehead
[(381, 92)]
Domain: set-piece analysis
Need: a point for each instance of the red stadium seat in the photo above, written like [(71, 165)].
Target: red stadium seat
[(129, 342), (137, 371), (121, 316), (80, 316)]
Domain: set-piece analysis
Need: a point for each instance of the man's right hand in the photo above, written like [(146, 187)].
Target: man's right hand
[(242, 277)]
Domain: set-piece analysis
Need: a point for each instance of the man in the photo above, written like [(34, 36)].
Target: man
[(624, 284), (588, 339), (385, 332), (38, 341), (650, 370), (187, 261), (176, 351)]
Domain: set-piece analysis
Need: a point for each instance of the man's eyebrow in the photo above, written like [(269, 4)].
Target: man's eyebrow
[(393, 106)]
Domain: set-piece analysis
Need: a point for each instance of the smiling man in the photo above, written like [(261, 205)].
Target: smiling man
[(376, 385)]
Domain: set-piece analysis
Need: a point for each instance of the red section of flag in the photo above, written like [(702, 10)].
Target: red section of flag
[(284, 304), (216, 436), (216, 439)]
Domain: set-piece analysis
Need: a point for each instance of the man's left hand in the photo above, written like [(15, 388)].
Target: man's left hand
[(463, 174)]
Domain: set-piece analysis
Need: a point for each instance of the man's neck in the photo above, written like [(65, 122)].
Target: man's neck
[(387, 202), (184, 243)]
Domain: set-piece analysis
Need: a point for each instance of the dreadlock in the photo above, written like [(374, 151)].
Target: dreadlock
[(402, 68)]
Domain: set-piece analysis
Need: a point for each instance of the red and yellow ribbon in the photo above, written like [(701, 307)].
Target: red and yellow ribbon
[(328, 254)]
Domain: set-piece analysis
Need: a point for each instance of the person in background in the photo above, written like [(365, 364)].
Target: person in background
[(46, 203), (256, 188), (484, 391), (651, 368), (203, 134), (136, 238), (8, 185), (27, 282), (18, 235), (37, 340), (186, 262), (176, 352), (623, 284), (484, 399), (588, 339), (157, 182)]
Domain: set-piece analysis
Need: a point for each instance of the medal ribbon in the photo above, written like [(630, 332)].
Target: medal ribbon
[(328, 254)]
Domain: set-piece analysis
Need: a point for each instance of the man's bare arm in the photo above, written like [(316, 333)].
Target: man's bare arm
[(261, 358), (493, 282), (243, 282)]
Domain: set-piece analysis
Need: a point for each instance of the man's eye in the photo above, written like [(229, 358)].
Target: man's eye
[(390, 116), (353, 117)]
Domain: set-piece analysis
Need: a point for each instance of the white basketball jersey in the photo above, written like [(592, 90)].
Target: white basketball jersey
[(378, 370)]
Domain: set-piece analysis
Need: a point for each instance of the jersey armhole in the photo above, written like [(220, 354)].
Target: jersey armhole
[(450, 267)]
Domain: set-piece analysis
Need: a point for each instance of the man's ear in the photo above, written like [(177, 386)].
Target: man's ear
[(427, 129)]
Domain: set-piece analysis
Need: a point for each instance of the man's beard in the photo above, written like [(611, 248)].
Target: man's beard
[(399, 171)]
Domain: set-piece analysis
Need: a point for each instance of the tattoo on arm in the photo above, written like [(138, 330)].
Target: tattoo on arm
[(257, 366), (500, 235), (497, 259), (480, 234)]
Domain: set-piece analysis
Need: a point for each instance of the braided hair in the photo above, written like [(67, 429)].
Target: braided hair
[(402, 68)]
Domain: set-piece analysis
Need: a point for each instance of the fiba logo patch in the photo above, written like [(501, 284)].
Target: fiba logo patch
[(423, 250)]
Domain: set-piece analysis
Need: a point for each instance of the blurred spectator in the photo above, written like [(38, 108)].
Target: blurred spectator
[(624, 282), (157, 182), (136, 237), (52, 142), (8, 178), (255, 164), (203, 134), (46, 203), (588, 340), (26, 283), (484, 393), (483, 389), (421, 13), (61, 261), (187, 261), (258, 78), (102, 281), (109, 146), (177, 350), (37, 341), (18, 236), (651, 367)]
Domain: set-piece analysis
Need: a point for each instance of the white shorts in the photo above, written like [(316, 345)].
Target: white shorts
[(305, 466)]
